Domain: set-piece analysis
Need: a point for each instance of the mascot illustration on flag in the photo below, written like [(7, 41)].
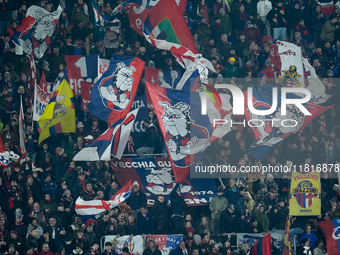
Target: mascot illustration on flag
[(181, 141), (116, 92)]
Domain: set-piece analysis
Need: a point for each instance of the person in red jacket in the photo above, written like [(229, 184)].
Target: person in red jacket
[(269, 71), (46, 250)]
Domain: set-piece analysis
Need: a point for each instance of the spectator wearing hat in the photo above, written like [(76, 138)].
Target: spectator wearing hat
[(269, 72), (278, 20), (77, 250), (177, 208), (46, 238), (80, 241), (240, 210), (217, 205), (231, 70), (253, 227), (32, 240), (137, 199), (152, 248), (34, 225), (227, 221), (17, 241), (161, 214), (94, 250), (108, 249), (304, 248), (252, 33), (61, 239), (11, 250)]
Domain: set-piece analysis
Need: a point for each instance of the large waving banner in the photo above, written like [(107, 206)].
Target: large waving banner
[(113, 94), (155, 176), (135, 245), (166, 243), (267, 136), (81, 68), (331, 230), (294, 70), (139, 10), (35, 30), (305, 194), (85, 94)]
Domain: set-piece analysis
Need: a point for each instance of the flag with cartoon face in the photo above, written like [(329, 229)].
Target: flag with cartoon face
[(112, 95)]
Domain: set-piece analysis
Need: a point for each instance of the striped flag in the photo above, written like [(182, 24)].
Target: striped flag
[(287, 243), (21, 130), (96, 207), (262, 246), (6, 157)]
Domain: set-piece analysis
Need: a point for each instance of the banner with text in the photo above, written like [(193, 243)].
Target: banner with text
[(135, 245), (155, 176), (305, 194), (85, 94), (166, 243), (81, 68)]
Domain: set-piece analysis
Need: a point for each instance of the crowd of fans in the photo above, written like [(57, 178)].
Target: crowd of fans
[(37, 196)]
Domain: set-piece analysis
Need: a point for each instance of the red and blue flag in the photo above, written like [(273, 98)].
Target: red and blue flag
[(113, 141), (269, 133), (113, 94), (262, 246), (331, 230)]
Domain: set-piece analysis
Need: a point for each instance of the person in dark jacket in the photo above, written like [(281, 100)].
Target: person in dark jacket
[(177, 206), (152, 249), (277, 18), (145, 221), (137, 199), (253, 227), (17, 241), (227, 221), (161, 214), (240, 210), (150, 139), (131, 226)]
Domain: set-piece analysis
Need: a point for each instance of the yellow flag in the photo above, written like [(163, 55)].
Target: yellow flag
[(305, 194), (59, 115)]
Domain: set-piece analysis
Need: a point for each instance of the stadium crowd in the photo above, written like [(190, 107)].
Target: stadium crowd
[(37, 196)]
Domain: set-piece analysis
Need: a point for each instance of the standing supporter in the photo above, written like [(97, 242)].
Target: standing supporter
[(145, 221), (161, 214), (240, 210), (217, 205), (137, 199), (177, 207), (278, 20)]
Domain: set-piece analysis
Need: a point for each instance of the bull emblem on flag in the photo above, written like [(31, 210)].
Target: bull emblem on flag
[(290, 77), (178, 129), (305, 193), (115, 90)]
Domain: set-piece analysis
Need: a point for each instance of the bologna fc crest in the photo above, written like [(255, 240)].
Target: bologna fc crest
[(115, 90), (305, 193)]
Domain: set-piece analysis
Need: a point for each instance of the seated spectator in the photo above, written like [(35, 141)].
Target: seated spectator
[(308, 234), (11, 250), (304, 248), (108, 249), (48, 205), (46, 250)]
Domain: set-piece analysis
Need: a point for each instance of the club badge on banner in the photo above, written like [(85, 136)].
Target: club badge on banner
[(305, 194), (251, 239), (135, 246), (81, 68), (155, 176), (166, 243)]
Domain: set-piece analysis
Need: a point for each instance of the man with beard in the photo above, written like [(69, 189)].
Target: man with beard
[(161, 214)]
